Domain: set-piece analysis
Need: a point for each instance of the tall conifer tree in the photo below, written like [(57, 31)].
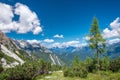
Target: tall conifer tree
[(96, 41)]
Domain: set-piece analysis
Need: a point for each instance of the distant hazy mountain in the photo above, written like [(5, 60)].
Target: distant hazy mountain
[(113, 50), (67, 53)]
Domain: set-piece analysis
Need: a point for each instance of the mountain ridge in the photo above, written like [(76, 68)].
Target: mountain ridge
[(67, 54), (17, 52)]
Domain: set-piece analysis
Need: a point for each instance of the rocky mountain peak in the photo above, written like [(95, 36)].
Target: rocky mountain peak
[(3, 38)]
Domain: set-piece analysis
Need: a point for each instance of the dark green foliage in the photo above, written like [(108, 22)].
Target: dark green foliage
[(3, 76), (76, 72), (96, 41), (104, 63), (90, 64), (1, 54), (77, 69), (56, 67), (27, 71), (1, 68), (80, 72), (115, 65), (66, 72)]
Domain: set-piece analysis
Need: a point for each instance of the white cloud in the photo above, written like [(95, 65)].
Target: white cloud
[(115, 24), (86, 38), (114, 30), (28, 20), (57, 44), (48, 40), (73, 43), (112, 41), (37, 30), (34, 41), (110, 33), (58, 36), (6, 15), (70, 43)]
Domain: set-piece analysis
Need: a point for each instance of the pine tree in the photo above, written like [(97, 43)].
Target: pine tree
[(76, 61), (96, 41)]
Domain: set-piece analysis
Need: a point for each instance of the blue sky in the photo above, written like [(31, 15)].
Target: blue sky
[(70, 19)]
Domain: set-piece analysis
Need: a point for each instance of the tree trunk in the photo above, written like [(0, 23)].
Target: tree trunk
[(98, 62)]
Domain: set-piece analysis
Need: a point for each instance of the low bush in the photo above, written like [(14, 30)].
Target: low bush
[(115, 65), (27, 71), (76, 72), (77, 69), (1, 68), (3, 76)]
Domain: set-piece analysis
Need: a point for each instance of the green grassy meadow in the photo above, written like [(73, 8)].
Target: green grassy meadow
[(58, 75)]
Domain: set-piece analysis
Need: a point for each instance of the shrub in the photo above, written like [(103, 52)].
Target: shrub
[(105, 73), (3, 76), (1, 68), (1, 54), (115, 65), (104, 63), (76, 72), (56, 67), (27, 71), (83, 73), (66, 72), (90, 64), (77, 69)]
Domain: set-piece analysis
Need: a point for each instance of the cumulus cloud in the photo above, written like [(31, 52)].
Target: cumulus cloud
[(34, 41), (48, 40), (115, 24), (114, 30), (70, 43), (6, 15), (112, 41), (27, 22), (57, 44), (37, 30), (110, 33), (58, 36), (86, 38), (73, 43)]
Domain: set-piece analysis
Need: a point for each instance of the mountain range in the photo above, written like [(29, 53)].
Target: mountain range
[(67, 53), (15, 52)]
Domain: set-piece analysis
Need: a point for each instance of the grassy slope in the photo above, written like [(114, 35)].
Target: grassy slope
[(91, 76)]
